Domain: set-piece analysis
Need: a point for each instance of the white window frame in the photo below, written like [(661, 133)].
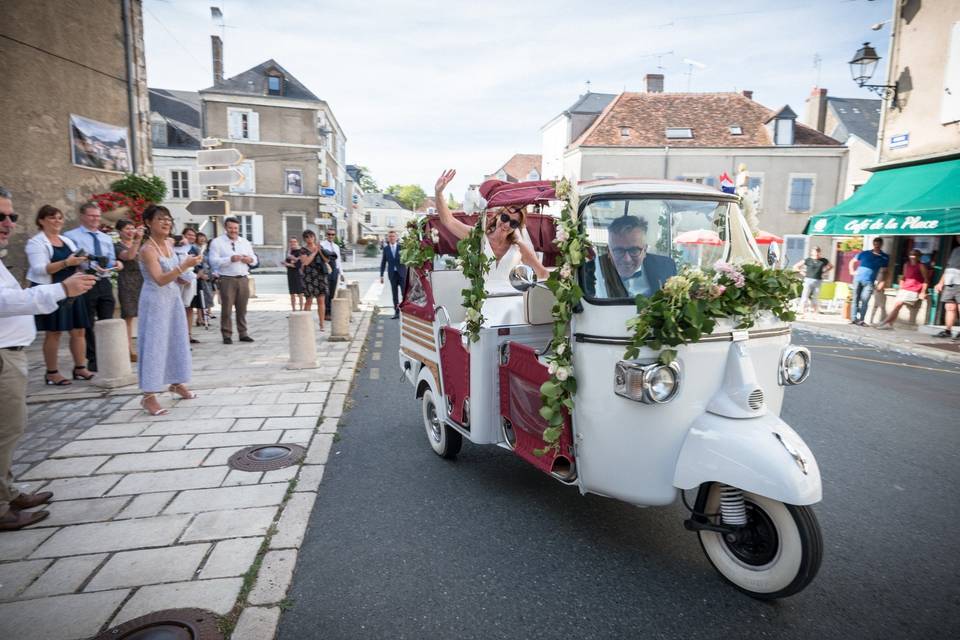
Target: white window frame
[(251, 226), (252, 186), (286, 233), (286, 191), (784, 131), (184, 191), (787, 237), (759, 175), (813, 190), (678, 133), (252, 124)]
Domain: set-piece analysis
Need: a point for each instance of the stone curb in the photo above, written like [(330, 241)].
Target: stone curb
[(880, 343)]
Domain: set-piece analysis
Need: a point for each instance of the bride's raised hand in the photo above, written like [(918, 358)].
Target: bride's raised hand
[(445, 179)]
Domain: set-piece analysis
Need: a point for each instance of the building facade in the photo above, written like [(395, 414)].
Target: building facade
[(383, 214), (522, 167), (175, 133), (75, 110)]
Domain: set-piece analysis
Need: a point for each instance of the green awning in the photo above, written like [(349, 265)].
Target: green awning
[(916, 200)]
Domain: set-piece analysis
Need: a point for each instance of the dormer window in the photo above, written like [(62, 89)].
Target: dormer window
[(275, 85), (678, 133), (736, 130), (624, 132), (780, 126)]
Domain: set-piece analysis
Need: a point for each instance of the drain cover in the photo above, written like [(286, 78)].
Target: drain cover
[(172, 624), (266, 457)]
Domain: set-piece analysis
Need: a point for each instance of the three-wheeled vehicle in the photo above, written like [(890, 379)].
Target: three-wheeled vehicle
[(641, 431)]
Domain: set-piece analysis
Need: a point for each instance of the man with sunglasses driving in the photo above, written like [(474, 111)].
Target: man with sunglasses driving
[(628, 269)]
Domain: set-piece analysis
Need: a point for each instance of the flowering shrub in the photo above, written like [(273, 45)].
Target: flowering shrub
[(130, 207), (475, 265), (415, 248)]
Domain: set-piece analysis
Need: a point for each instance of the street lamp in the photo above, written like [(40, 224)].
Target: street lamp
[(862, 67)]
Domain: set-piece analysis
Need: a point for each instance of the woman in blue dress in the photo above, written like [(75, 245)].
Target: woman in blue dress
[(163, 343)]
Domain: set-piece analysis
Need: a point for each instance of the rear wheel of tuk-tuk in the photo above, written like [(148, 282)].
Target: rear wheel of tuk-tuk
[(446, 441), (775, 555)]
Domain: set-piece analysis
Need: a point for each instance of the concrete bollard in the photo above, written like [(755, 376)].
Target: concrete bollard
[(354, 287), (340, 327), (113, 356), (303, 340), (252, 283)]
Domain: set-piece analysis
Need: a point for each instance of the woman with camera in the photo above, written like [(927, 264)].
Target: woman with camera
[(53, 258)]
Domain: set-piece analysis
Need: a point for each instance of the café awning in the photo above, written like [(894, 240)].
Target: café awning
[(915, 200)]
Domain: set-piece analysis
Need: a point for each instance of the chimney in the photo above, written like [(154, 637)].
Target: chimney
[(217, 45), (816, 113), (747, 94), (654, 82)]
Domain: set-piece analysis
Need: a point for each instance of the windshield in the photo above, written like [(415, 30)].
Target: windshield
[(640, 242)]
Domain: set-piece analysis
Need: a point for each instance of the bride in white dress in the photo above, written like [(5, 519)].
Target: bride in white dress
[(507, 242)]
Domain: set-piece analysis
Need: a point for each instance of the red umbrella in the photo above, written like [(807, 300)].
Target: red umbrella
[(699, 236), (765, 237)]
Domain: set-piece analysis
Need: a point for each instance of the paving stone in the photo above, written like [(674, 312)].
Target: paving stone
[(250, 424), (107, 447), (217, 595), (341, 386), (285, 474), (257, 623), (173, 413), (113, 536), (206, 425), (149, 566), (328, 425), (223, 498), (298, 422), (274, 577), (308, 397), (234, 439), (296, 436), (220, 456), (154, 461), (78, 511), (206, 400), (319, 449), (73, 488), (309, 410), (18, 544), (172, 443), (242, 523), (125, 416), (310, 477), (266, 397), (113, 431), (14, 576), (334, 406), (236, 477), (146, 505), (202, 413), (65, 467), (64, 576), (293, 523), (318, 386), (231, 558), (67, 617), (177, 480), (257, 411)]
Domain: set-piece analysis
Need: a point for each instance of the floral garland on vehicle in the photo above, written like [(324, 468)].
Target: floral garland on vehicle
[(556, 394), (415, 248), (475, 265), (689, 304)]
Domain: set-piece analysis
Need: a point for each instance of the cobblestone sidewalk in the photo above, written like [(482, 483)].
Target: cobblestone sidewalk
[(147, 516)]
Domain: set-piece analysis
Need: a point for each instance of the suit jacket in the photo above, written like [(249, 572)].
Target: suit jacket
[(657, 269), (390, 261)]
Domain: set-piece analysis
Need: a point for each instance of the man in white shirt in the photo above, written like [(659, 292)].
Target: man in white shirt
[(17, 331), (331, 248), (232, 256)]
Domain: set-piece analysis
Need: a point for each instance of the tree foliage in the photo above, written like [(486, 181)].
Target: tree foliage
[(149, 188), (411, 196), (367, 183), (452, 203)]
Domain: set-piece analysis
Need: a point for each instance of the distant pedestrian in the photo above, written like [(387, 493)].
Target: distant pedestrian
[(17, 331), (232, 256), (949, 290), (315, 272), (186, 245), (396, 272), (102, 260), (203, 301), (129, 280), (869, 270), (294, 275), (164, 351), (913, 288), (814, 269), (331, 250), (53, 259)]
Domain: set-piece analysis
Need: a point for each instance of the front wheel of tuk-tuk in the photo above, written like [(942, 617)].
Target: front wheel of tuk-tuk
[(444, 440), (776, 554)]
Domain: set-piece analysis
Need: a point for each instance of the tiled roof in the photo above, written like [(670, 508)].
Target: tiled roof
[(380, 201), (591, 102), (254, 82), (857, 116), (518, 167), (181, 110), (429, 203), (647, 116)]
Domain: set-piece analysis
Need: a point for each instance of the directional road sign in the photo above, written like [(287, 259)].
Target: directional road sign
[(209, 207), (220, 177), (218, 157), (327, 191)]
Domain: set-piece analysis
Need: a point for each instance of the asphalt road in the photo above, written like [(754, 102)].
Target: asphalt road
[(403, 544)]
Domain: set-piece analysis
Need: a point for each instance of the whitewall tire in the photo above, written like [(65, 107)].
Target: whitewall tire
[(444, 440)]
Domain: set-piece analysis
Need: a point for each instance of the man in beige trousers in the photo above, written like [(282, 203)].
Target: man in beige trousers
[(17, 331)]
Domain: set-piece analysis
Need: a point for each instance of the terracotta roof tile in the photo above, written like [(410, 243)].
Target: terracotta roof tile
[(647, 116), (518, 167)]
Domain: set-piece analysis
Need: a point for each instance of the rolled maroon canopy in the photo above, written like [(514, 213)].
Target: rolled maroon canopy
[(542, 230), (498, 193)]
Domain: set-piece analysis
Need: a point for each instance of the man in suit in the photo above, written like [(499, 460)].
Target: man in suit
[(627, 269), (390, 262)]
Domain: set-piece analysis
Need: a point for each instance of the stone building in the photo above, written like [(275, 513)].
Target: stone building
[(175, 131), (63, 59)]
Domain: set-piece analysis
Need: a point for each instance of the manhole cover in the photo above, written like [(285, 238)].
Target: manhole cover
[(172, 624), (266, 457)]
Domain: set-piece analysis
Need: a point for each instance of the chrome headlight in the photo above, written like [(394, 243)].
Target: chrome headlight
[(650, 383), (794, 365)]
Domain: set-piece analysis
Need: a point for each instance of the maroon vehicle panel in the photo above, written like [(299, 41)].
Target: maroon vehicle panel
[(455, 370), (418, 294)]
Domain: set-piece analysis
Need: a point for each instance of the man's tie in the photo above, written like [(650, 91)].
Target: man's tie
[(96, 243)]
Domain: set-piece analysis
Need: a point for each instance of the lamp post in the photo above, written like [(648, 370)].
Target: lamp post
[(862, 67)]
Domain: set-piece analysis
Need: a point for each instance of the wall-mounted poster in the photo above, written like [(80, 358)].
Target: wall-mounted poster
[(293, 181), (97, 145)]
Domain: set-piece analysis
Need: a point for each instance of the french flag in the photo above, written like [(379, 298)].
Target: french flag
[(726, 184)]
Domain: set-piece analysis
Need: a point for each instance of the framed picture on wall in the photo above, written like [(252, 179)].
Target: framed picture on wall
[(97, 145), (293, 181)]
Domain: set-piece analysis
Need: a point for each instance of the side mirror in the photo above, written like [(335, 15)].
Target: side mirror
[(523, 277), (773, 255)]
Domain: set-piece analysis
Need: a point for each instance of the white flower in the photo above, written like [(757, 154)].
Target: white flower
[(563, 373), (566, 272), (561, 348), (552, 368), (561, 235), (435, 235), (472, 314)]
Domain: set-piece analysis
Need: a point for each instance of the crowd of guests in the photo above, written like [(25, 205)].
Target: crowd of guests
[(313, 272)]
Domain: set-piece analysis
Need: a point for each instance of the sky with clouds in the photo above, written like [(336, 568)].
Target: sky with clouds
[(421, 85)]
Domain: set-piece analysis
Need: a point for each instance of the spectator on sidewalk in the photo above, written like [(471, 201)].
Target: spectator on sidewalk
[(52, 260), (186, 245), (949, 290), (203, 301), (315, 272), (331, 250), (164, 350), (232, 256), (913, 288), (99, 248), (396, 272), (17, 331), (869, 270), (813, 269), (294, 275), (129, 280)]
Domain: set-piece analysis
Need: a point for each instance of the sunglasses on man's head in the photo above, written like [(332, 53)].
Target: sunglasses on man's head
[(513, 222), (12, 216)]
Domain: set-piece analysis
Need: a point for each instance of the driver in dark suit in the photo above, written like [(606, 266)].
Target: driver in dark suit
[(626, 269)]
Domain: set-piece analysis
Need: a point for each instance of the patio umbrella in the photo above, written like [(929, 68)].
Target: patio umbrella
[(765, 237), (700, 238)]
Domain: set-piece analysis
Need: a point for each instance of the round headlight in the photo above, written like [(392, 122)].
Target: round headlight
[(662, 383), (795, 365)]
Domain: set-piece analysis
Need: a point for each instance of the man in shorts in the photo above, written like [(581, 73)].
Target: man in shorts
[(949, 290), (813, 269)]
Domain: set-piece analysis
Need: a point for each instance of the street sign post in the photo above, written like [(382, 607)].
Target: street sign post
[(328, 192), (219, 157), (209, 208), (219, 177), (216, 168)]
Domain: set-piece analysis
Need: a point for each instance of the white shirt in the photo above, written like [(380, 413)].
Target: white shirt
[(635, 284), (222, 248), (39, 252), (331, 247), (18, 306)]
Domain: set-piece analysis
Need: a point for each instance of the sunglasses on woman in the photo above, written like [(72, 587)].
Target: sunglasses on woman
[(513, 222), (13, 217)]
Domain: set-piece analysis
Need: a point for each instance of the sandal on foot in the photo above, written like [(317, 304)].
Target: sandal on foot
[(143, 403), (56, 383), (80, 376), (179, 390)]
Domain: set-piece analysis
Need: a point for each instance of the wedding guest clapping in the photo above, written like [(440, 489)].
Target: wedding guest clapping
[(129, 280)]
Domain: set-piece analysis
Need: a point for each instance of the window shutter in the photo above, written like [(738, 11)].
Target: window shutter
[(950, 107), (257, 229), (234, 131), (253, 126)]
